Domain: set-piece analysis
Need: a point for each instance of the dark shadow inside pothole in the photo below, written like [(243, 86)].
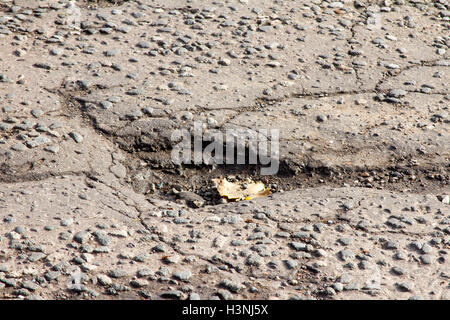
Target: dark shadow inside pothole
[(191, 180), (193, 184)]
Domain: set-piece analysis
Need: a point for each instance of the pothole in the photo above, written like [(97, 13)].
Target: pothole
[(149, 178), (151, 171)]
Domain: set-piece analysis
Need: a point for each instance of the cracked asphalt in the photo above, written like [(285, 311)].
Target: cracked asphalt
[(91, 206)]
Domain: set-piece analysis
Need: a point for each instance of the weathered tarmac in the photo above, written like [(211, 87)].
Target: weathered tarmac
[(92, 207)]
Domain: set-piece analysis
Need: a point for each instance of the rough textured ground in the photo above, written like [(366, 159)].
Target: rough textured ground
[(90, 203)]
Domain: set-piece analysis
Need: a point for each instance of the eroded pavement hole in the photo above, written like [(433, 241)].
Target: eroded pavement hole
[(146, 142), (194, 184)]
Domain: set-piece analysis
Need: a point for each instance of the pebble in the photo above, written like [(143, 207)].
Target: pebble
[(194, 296), (36, 113), (143, 44), (224, 294), (42, 65), (396, 93), (232, 286), (291, 264), (56, 51), (426, 259), (144, 273), (398, 271), (81, 237), (104, 280), (30, 285), (141, 257), (184, 275), (405, 286), (78, 138), (36, 256), (345, 241), (52, 275), (299, 246), (66, 222), (38, 141), (391, 245), (52, 149), (346, 255), (351, 286), (18, 147), (174, 294), (338, 286), (117, 273), (106, 105), (139, 283), (112, 52), (426, 248), (254, 260), (102, 238)]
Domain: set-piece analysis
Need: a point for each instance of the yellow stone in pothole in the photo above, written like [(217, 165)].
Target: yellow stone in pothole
[(238, 191)]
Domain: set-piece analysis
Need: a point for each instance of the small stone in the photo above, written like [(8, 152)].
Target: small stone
[(30, 285), (398, 271), (52, 275), (174, 294), (18, 147), (391, 245), (232, 286), (345, 241), (159, 248), (81, 237), (38, 141), (117, 273), (346, 255), (291, 264), (37, 113), (396, 93), (426, 259), (102, 238), (224, 62), (194, 296), (52, 149), (104, 280), (112, 52), (399, 256), (106, 104), (224, 294), (253, 260), (372, 285), (404, 286), (338, 286), (141, 257), (143, 44), (42, 65), (36, 256), (78, 138), (351, 286), (445, 199), (139, 283), (298, 246), (134, 92), (66, 222), (426, 248), (265, 28), (364, 265), (361, 101), (56, 51), (144, 273), (184, 275)]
